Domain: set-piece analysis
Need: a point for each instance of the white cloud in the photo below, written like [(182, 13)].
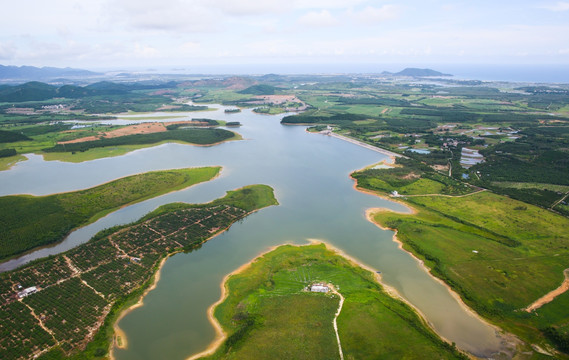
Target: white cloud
[(7, 51), (250, 7), (375, 15), (559, 6), (145, 51), (318, 19), (325, 4), (190, 48), (166, 15)]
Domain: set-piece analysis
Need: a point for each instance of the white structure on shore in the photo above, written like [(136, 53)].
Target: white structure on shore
[(319, 288)]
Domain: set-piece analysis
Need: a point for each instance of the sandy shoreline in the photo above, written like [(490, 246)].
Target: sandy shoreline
[(121, 335), (550, 296), (220, 335), (120, 340), (505, 337)]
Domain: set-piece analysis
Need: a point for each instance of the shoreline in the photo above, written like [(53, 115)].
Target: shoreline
[(412, 211), (118, 332), (221, 336), (5, 264), (391, 154), (505, 337)]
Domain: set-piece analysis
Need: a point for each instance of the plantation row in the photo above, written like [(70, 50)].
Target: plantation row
[(193, 136), (78, 288)]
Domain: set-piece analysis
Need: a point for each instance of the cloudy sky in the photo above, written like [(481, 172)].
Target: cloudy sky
[(98, 34)]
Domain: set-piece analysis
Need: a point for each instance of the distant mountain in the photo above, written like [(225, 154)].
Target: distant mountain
[(416, 72), (35, 73), (38, 91)]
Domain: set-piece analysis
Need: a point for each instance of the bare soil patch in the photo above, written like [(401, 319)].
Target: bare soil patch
[(144, 128)]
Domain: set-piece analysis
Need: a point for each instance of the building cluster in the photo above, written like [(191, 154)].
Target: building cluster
[(53, 107)]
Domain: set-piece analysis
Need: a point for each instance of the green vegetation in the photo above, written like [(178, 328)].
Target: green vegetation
[(32, 221), (7, 153), (498, 253), (269, 110), (193, 136), (83, 291), (10, 137), (7, 162), (410, 177), (259, 322), (261, 89)]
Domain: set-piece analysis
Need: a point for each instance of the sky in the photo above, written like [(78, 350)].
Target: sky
[(189, 34)]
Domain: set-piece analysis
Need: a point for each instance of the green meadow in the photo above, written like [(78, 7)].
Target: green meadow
[(268, 314), (498, 253)]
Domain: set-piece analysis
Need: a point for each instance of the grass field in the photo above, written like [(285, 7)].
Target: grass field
[(31, 221), (7, 162), (268, 315), (498, 253)]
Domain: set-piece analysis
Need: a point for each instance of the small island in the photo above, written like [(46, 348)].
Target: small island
[(33, 221), (309, 302)]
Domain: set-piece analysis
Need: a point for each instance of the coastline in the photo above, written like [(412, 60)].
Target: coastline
[(391, 154), (120, 334), (6, 264), (412, 211), (506, 337), (222, 336)]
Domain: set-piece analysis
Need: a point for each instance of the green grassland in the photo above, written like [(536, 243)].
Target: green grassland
[(222, 96), (498, 253), (258, 318), (32, 221), (86, 288), (410, 177), (7, 162)]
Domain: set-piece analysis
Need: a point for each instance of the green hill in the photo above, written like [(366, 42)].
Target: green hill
[(261, 89)]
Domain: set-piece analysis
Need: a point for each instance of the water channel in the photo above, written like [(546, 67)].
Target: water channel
[(309, 173)]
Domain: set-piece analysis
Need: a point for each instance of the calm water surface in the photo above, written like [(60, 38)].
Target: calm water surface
[(309, 173)]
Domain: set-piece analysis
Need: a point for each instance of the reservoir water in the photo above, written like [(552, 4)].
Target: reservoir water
[(310, 175)]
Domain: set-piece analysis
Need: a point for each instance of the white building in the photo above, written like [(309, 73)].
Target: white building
[(319, 288), (27, 291)]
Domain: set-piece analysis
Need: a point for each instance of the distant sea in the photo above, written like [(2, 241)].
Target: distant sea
[(515, 73)]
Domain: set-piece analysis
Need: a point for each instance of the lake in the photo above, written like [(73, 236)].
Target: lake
[(310, 175)]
